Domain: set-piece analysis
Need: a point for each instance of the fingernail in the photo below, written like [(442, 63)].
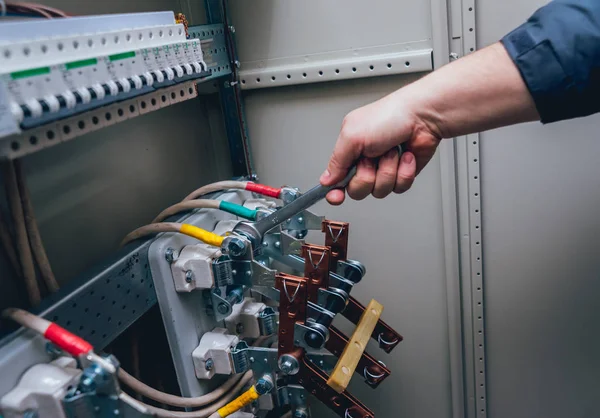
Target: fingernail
[(325, 176), (407, 157)]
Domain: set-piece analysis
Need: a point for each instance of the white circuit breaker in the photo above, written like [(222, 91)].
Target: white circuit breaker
[(72, 65)]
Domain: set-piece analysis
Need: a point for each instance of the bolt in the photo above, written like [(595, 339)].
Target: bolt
[(301, 220), (288, 364), (234, 272), (277, 244), (209, 364), (239, 328), (237, 64), (189, 276), (251, 359), (222, 308), (288, 221), (236, 247), (264, 385), (248, 273), (231, 28), (300, 235), (300, 414), (453, 56), (116, 412), (286, 367), (170, 255), (265, 244)]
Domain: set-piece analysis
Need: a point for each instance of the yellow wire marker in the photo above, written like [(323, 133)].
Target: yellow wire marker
[(238, 403), (202, 234)]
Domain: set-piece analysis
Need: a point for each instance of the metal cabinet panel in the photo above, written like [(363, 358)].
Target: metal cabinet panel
[(270, 29), (400, 239), (541, 234)]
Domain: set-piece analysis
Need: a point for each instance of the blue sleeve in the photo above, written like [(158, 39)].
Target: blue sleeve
[(557, 52)]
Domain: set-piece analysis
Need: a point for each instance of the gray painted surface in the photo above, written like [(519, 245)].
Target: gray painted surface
[(541, 236), (271, 29), (400, 239)]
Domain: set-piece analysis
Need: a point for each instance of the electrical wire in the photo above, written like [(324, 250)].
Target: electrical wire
[(238, 403), (201, 413), (34, 9), (28, 9), (9, 248), (216, 187), (186, 205), (174, 400), (24, 251), (223, 205), (203, 235), (180, 401), (35, 239)]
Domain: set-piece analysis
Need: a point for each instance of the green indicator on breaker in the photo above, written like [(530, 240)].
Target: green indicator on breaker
[(82, 63), (30, 73), (122, 56)]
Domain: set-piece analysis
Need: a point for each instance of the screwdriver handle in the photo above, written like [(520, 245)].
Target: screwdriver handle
[(303, 202)]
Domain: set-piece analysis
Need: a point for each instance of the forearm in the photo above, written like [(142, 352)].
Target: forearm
[(479, 92)]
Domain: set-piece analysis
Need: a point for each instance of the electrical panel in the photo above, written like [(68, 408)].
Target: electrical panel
[(62, 69)]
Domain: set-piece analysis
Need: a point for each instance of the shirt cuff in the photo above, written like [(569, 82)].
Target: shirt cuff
[(546, 80)]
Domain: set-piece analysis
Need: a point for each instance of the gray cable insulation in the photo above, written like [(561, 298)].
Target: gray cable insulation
[(150, 229), (180, 401), (35, 239), (187, 205), (201, 413), (174, 400), (215, 187), (23, 249)]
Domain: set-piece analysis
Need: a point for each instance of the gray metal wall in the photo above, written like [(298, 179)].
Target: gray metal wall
[(541, 235)]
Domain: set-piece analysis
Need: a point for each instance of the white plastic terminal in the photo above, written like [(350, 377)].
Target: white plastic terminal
[(244, 319), (213, 355), (193, 268), (41, 390)]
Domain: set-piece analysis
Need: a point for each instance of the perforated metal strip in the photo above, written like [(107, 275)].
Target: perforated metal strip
[(476, 242)]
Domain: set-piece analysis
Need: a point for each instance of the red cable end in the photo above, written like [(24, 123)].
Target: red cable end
[(263, 189), (67, 341)]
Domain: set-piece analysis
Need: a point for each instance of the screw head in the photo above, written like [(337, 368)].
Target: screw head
[(300, 220), (237, 64), (277, 244), (189, 276), (236, 247), (209, 364), (170, 255), (222, 308), (232, 29), (288, 364)]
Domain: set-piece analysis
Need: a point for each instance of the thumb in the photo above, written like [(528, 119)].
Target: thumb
[(343, 157)]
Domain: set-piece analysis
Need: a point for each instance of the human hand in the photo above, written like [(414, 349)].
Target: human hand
[(370, 137)]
